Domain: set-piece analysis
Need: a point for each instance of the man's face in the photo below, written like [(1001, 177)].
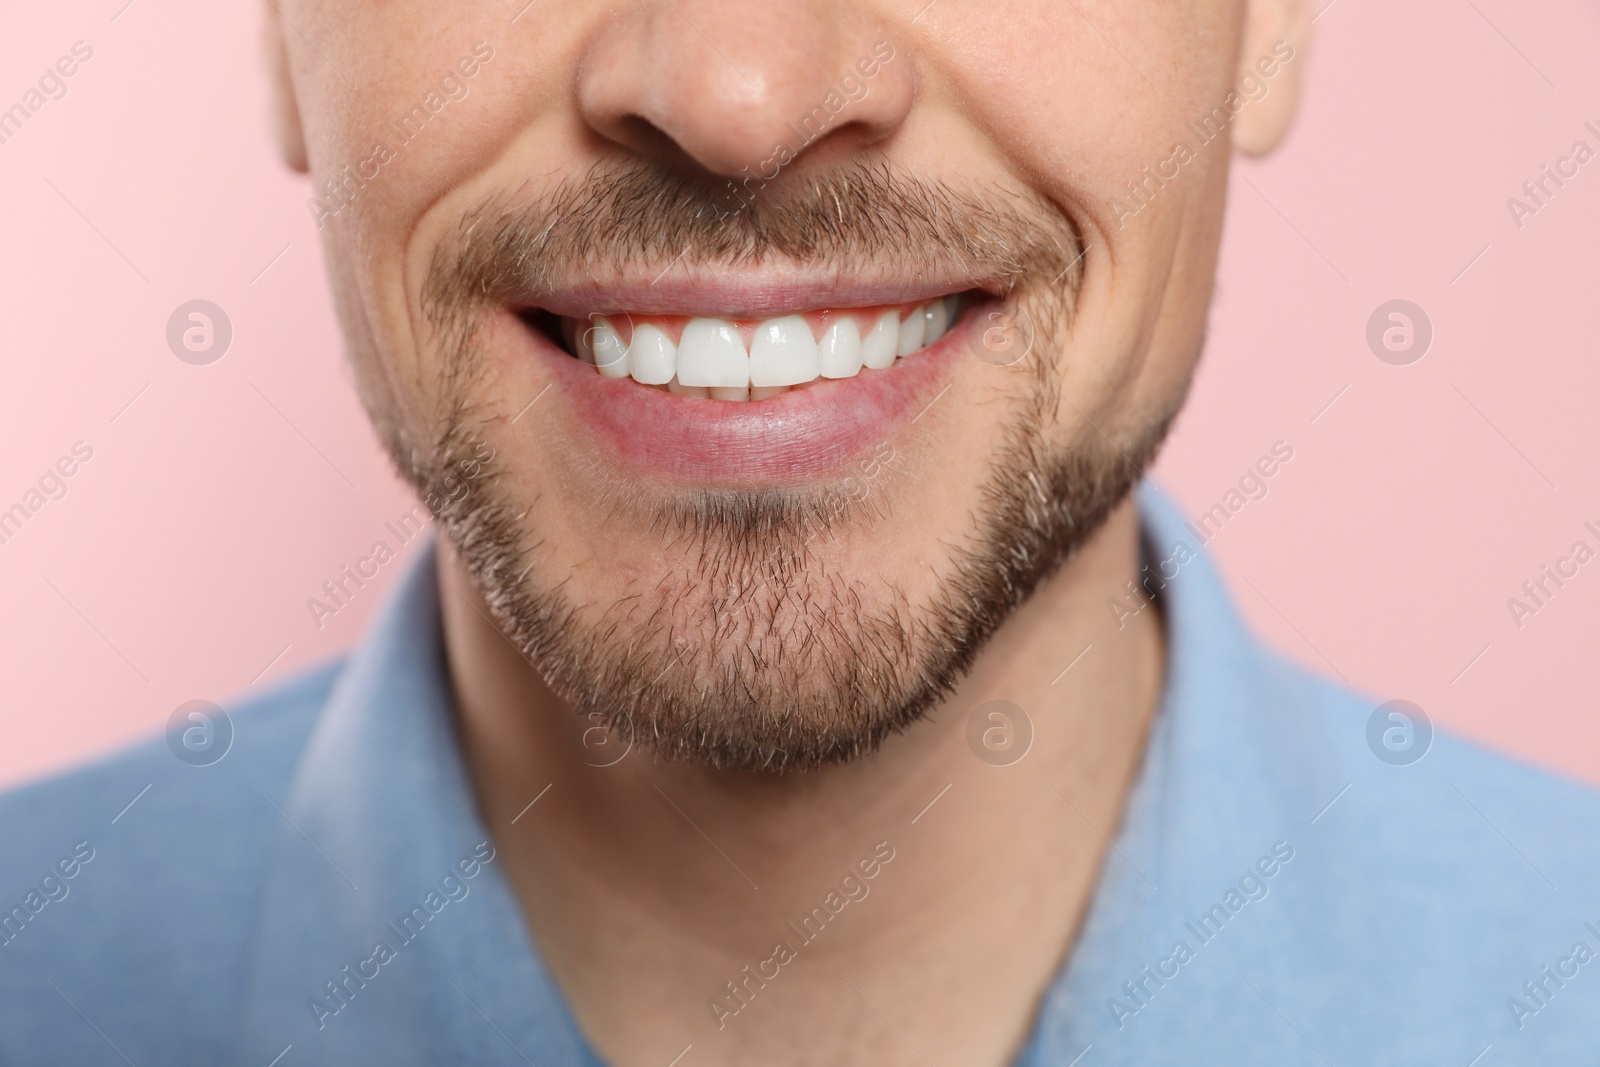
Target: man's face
[(764, 357)]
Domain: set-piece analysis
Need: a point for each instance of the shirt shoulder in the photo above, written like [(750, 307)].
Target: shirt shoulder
[(1401, 763), (145, 863), (1441, 884)]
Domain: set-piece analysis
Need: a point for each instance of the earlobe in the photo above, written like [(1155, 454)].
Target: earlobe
[(1272, 58), (285, 110)]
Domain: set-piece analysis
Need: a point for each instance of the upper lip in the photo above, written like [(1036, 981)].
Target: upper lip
[(702, 292)]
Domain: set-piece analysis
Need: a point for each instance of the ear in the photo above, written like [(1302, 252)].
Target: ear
[(1277, 34), (285, 111)]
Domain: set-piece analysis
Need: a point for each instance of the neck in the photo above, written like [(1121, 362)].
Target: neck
[(760, 917)]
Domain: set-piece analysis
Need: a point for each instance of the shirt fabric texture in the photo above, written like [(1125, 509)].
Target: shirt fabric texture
[(1276, 894)]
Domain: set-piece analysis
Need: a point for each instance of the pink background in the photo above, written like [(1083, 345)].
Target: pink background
[(179, 563)]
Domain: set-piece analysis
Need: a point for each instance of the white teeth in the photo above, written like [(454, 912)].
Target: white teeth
[(652, 357), (610, 354), (840, 349), (911, 331), (784, 353), (710, 359), (678, 387), (937, 318), (711, 353), (879, 345)]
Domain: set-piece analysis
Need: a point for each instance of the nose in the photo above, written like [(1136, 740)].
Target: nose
[(745, 86)]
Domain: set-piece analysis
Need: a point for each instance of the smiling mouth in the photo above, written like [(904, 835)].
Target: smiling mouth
[(750, 360), (732, 382)]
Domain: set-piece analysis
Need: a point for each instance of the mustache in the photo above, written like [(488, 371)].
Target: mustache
[(634, 218)]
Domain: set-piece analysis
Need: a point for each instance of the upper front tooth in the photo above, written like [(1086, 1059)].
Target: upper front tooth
[(652, 357), (711, 353), (878, 346), (911, 331), (938, 319), (840, 349), (784, 353), (610, 354)]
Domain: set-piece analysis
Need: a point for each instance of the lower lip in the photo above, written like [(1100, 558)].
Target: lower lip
[(804, 433)]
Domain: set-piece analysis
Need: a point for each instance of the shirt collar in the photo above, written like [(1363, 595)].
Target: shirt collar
[(1225, 778), (381, 809), (379, 812)]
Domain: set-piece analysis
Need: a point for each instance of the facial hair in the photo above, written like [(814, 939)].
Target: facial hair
[(747, 649)]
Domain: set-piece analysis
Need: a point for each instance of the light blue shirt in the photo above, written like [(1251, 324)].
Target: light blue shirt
[(1278, 893)]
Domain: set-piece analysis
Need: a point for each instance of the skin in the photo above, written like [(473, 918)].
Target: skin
[(640, 918)]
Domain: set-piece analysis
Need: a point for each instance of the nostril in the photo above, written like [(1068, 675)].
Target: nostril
[(707, 89), (646, 139)]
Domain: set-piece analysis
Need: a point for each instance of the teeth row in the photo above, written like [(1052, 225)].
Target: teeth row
[(710, 359)]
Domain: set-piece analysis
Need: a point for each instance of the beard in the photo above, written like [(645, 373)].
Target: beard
[(745, 647)]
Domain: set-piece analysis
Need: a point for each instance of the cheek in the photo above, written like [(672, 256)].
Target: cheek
[(1080, 135), (1074, 113)]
